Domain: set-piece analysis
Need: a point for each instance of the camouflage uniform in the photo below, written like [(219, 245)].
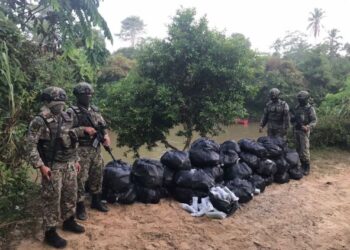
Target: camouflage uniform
[(303, 115), (59, 194), (276, 116), (90, 158)]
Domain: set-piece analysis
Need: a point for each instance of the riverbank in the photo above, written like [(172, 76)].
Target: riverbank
[(313, 213)]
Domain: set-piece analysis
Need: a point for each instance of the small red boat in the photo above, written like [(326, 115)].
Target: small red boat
[(243, 122)]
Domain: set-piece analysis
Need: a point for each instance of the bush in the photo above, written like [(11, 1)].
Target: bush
[(331, 131)]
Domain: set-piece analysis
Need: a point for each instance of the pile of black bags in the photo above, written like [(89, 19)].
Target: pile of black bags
[(245, 167)]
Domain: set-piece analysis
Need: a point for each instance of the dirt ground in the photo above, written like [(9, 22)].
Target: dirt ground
[(313, 213)]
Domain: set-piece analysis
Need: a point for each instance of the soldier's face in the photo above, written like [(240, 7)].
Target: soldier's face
[(273, 97), (57, 109), (84, 99), (302, 101)]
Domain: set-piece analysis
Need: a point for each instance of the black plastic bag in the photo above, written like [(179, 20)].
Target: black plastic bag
[(273, 150), (116, 176), (148, 195), (279, 141), (176, 160), (228, 207), (268, 180), (147, 173), (216, 172), (196, 179), (229, 151), (185, 195), (127, 197), (204, 153), (238, 170), (258, 182), (251, 159), (168, 177), (282, 165), (243, 189), (281, 178), (292, 158), (296, 173), (253, 147), (266, 168)]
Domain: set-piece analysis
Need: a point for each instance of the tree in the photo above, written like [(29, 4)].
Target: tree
[(54, 23), (292, 46), (333, 42), (132, 28), (195, 78), (315, 21)]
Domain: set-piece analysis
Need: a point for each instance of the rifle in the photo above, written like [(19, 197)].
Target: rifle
[(100, 136), (297, 121)]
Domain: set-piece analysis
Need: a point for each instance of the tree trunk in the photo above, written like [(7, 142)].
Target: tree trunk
[(168, 145)]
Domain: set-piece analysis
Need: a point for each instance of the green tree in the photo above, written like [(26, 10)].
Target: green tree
[(56, 22), (206, 73), (315, 21), (132, 28), (333, 42)]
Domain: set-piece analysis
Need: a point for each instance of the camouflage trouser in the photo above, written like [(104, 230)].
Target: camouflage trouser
[(91, 170), (59, 196), (277, 132), (302, 143)]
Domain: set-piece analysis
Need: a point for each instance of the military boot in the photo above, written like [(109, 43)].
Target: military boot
[(97, 204), (306, 168), (53, 239), (71, 225), (81, 212)]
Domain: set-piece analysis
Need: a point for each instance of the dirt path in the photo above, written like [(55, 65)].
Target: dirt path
[(313, 213)]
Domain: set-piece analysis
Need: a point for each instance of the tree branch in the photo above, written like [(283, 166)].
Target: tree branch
[(168, 145)]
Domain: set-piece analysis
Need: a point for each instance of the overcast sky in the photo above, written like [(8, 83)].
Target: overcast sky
[(262, 21)]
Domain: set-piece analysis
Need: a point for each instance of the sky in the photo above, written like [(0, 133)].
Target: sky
[(262, 21)]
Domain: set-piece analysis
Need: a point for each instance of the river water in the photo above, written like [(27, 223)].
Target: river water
[(234, 132)]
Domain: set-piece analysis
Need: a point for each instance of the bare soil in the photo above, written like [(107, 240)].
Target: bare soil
[(313, 213)]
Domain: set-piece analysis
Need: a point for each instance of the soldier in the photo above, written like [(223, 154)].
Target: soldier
[(276, 116), (52, 148), (303, 120), (85, 114)]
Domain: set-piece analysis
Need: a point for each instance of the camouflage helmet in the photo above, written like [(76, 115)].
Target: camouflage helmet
[(51, 94), (303, 95), (275, 92), (83, 88)]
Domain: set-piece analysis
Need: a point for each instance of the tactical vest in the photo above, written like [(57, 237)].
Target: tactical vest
[(85, 121), (62, 145), (302, 115), (276, 111)]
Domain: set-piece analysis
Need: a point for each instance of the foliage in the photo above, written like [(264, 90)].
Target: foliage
[(141, 111), (15, 185), (56, 22), (207, 74), (132, 27), (116, 68), (128, 52)]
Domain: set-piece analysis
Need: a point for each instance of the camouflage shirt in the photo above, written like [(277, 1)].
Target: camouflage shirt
[(276, 115), (41, 136), (84, 117), (304, 115)]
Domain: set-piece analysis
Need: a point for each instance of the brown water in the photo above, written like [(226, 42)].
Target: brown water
[(234, 132)]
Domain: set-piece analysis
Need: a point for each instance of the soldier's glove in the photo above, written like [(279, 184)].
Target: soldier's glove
[(45, 172)]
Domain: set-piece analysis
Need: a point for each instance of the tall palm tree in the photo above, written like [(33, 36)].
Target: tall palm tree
[(315, 21)]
